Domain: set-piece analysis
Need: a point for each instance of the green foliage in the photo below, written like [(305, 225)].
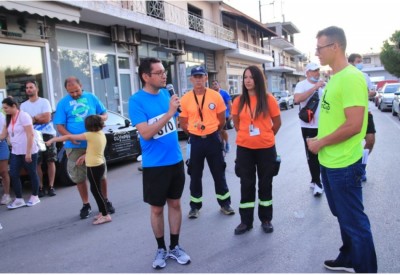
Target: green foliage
[(19, 70), (390, 54)]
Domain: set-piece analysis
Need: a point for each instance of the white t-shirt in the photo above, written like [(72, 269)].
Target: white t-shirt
[(17, 135), (304, 86), (2, 121), (41, 105)]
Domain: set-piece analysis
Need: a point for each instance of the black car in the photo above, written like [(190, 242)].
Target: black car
[(122, 144)]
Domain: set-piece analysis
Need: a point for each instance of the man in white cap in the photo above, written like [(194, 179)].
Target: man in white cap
[(302, 93)]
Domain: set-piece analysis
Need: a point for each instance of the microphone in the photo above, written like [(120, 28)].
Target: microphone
[(171, 92)]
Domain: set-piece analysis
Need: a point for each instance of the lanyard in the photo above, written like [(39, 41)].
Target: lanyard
[(251, 113), (202, 104), (13, 121)]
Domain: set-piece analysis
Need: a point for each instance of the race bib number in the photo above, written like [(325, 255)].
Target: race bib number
[(168, 128)]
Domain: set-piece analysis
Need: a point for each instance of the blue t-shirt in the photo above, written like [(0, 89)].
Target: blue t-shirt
[(163, 148), (226, 98), (72, 113)]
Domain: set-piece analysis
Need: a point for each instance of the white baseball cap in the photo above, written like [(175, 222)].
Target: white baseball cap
[(312, 67)]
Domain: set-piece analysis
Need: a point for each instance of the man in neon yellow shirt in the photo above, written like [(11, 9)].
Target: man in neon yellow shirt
[(341, 129)]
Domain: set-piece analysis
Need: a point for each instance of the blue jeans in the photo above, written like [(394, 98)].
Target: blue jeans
[(343, 191), (16, 163)]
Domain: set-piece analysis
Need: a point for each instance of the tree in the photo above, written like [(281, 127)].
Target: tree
[(390, 54)]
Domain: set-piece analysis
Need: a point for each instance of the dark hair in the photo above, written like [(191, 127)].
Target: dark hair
[(94, 123), (71, 78), (353, 57), (145, 67), (33, 82), (335, 35), (261, 92), (10, 101)]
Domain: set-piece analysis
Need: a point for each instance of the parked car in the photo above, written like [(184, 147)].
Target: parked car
[(387, 96), (122, 144), (379, 88), (396, 104), (285, 99)]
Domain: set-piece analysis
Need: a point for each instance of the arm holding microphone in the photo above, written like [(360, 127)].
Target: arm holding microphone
[(171, 91)]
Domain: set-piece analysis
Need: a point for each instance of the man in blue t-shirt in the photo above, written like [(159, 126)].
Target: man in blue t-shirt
[(153, 112), (228, 103), (70, 119)]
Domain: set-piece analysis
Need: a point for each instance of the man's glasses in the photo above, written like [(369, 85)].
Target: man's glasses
[(160, 73), (318, 49)]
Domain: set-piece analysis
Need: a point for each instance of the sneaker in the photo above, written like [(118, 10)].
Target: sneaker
[(51, 192), (140, 168), (227, 147), (17, 203), (179, 255), (110, 208), (318, 191), (41, 193), (227, 210), (312, 185), (85, 211), (334, 265), (33, 200), (102, 219), (5, 199), (194, 213), (159, 260), (364, 178)]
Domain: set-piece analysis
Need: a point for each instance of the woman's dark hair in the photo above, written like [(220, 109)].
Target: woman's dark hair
[(10, 102), (94, 123), (261, 92), (145, 66)]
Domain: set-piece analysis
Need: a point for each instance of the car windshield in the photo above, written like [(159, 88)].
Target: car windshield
[(390, 89), (115, 119)]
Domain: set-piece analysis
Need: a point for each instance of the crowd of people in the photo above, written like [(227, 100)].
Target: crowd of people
[(333, 145)]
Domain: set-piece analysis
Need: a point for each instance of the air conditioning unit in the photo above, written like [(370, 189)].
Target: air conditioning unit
[(133, 37), (118, 34), (179, 44)]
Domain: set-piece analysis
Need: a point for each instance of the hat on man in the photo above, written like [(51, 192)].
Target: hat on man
[(198, 71), (312, 67)]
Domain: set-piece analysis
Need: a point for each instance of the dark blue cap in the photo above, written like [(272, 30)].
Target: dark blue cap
[(198, 71)]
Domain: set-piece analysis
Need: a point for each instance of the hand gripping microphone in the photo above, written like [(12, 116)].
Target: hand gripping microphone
[(171, 91)]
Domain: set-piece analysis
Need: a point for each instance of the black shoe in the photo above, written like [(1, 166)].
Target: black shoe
[(51, 192), (140, 168), (267, 227), (110, 208), (227, 210), (242, 228), (41, 193), (85, 211), (335, 265)]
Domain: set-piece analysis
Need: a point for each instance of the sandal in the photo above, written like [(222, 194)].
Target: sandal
[(98, 216), (103, 219)]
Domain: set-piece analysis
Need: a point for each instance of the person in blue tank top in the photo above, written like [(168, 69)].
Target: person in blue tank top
[(152, 110)]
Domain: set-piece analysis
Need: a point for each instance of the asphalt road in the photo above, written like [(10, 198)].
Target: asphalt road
[(50, 237)]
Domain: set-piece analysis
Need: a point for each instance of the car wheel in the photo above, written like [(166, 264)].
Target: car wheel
[(62, 176), (394, 113)]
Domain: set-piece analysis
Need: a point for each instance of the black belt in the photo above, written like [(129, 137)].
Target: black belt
[(203, 136)]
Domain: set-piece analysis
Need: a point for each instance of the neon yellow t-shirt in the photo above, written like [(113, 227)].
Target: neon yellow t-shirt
[(345, 89), (96, 143)]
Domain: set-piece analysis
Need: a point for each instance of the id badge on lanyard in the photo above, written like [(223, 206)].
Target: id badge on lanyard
[(253, 131)]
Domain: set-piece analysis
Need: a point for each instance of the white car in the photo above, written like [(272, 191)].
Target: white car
[(396, 104), (285, 99), (387, 96)]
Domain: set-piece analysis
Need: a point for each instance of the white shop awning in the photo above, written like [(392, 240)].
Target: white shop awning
[(51, 9)]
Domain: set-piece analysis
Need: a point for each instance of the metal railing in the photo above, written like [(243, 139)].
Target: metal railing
[(175, 15), (251, 47)]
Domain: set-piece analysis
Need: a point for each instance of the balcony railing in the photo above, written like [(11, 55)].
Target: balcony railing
[(175, 15), (253, 48)]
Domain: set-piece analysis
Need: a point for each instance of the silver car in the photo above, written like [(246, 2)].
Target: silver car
[(396, 104), (387, 96)]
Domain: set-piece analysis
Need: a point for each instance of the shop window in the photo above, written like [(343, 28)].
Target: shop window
[(123, 63), (75, 63), (71, 39), (101, 43), (234, 84)]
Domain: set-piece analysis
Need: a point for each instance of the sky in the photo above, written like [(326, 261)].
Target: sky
[(366, 23)]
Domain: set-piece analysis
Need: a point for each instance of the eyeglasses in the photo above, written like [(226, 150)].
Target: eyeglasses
[(318, 49), (160, 73)]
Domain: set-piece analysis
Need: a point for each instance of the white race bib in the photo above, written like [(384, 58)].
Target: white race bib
[(168, 128)]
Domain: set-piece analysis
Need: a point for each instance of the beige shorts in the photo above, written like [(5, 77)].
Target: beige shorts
[(77, 173)]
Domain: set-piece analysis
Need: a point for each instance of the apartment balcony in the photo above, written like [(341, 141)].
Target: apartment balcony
[(157, 19), (250, 52)]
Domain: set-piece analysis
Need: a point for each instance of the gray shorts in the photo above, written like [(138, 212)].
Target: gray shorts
[(77, 173)]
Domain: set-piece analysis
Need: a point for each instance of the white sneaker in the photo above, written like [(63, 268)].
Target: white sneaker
[(318, 191), (5, 199), (312, 185), (33, 200), (17, 203)]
